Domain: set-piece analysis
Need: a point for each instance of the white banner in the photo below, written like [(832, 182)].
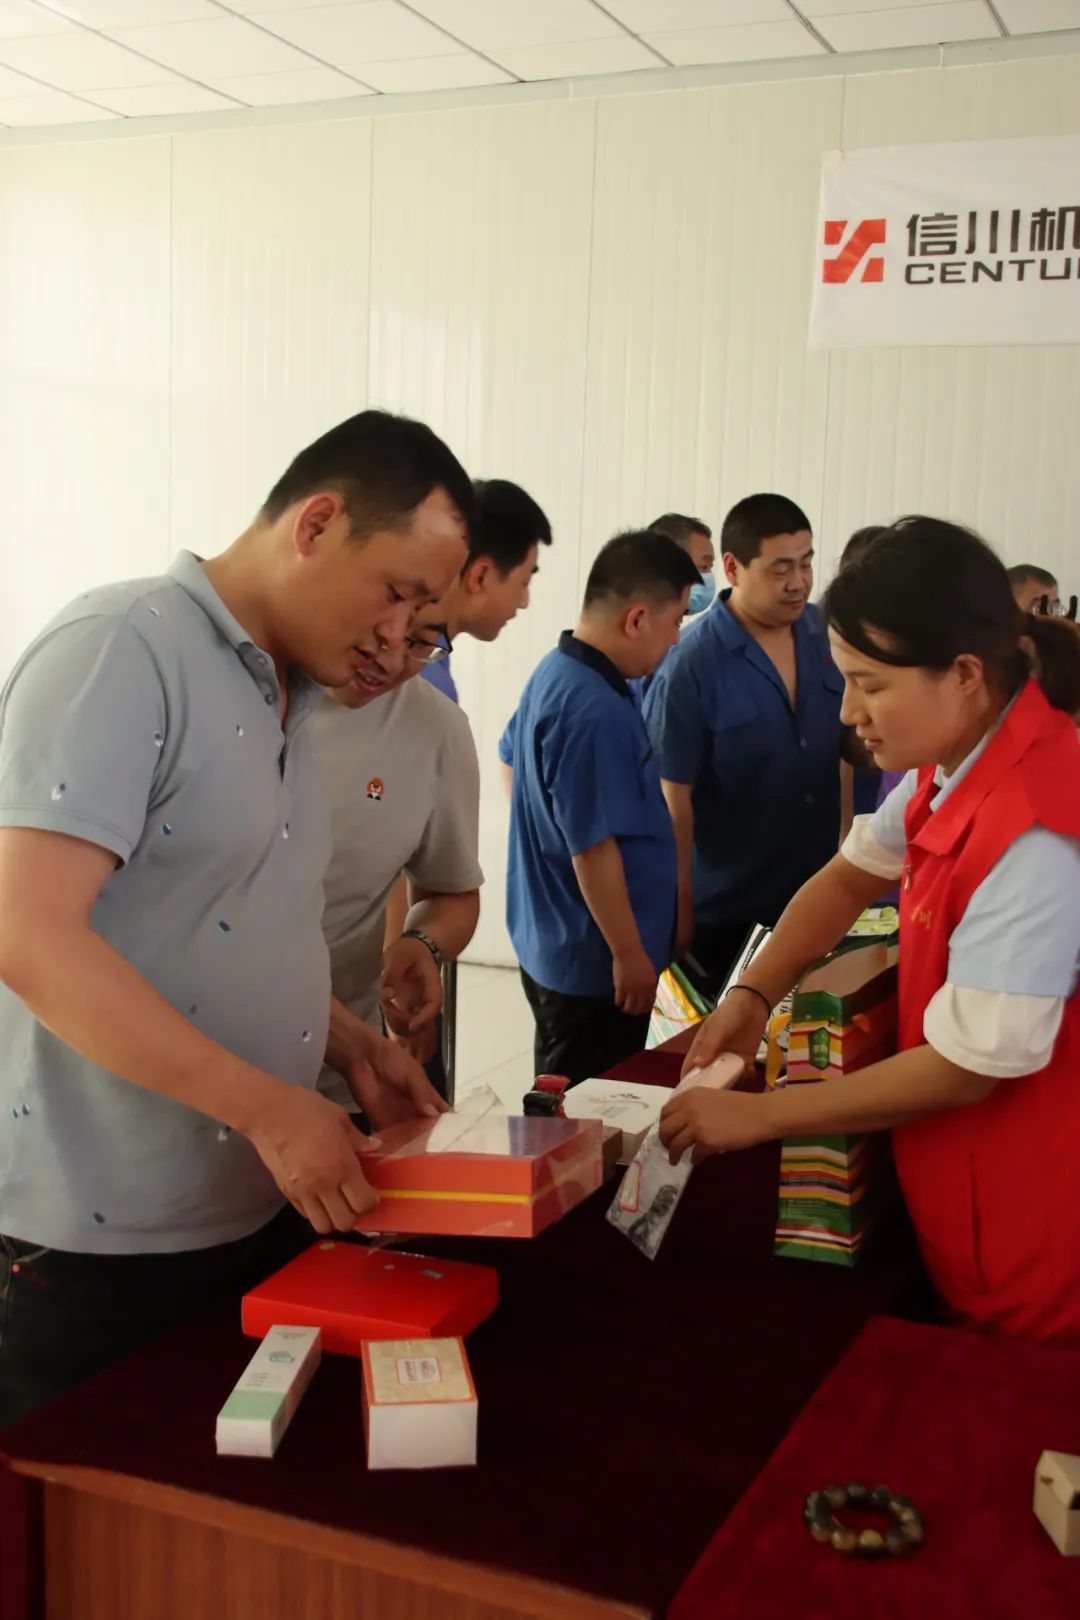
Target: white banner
[(974, 242)]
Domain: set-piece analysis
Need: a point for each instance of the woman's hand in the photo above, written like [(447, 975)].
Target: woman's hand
[(737, 1025)]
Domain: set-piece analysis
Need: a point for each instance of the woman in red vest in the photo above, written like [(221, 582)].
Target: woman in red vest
[(947, 679)]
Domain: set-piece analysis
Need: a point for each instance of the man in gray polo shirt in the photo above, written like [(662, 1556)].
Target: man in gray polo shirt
[(402, 779), (403, 785), (164, 987)]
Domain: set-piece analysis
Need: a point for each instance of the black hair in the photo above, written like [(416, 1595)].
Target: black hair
[(680, 528), (859, 542), (639, 565), (756, 519), (927, 591), (508, 524), (383, 467), (1022, 572)]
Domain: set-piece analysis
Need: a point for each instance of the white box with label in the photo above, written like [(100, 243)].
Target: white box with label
[(261, 1407), (419, 1404), (629, 1107)]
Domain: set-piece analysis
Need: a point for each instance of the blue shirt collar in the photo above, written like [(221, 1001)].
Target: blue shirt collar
[(732, 635), (594, 660)]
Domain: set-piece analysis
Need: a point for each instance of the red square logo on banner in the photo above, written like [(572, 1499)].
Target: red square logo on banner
[(867, 234)]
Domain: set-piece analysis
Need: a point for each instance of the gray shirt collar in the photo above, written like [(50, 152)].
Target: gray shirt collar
[(188, 572)]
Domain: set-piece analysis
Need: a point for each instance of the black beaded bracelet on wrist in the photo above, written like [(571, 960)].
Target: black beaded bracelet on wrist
[(904, 1534)]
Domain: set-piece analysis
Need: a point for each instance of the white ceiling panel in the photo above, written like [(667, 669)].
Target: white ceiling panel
[(160, 100), (160, 58), (131, 13), (620, 54), (16, 84), (21, 19), (291, 89), (1039, 16), (435, 73), (50, 107), (660, 16), (832, 8), (752, 42), (203, 50), (488, 25), (909, 25), (256, 8), (348, 35), (80, 61)]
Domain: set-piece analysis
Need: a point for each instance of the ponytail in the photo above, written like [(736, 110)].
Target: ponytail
[(1055, 660)]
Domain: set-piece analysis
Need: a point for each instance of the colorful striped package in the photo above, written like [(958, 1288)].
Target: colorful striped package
[(843, 1017), (843, 1012)]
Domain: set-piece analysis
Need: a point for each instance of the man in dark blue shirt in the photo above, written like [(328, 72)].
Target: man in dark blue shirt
[(591, 880), (495, 583), (745, 720)]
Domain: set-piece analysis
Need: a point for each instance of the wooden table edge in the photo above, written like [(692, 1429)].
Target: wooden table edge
[(395, 1559)]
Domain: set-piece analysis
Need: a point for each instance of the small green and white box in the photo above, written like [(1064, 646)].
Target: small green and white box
[(261, 1407)]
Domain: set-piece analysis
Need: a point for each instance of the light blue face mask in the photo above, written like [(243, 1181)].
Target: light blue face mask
[(701, 596)]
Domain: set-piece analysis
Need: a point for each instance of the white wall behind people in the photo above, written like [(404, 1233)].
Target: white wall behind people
[(603, 297)]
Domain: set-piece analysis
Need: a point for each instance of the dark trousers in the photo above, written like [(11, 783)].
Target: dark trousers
[(581, 1036), (716, 949), (64, 1316)]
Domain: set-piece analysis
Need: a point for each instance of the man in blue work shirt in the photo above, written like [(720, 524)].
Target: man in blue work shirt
[(494, 585), (591, 881), (745, 721)]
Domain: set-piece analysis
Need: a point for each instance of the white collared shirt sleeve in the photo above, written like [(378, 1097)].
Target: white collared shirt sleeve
[(1014, 957), (993, 1032)]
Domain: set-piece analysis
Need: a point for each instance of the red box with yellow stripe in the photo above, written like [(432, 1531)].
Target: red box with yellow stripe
[(499, 1175)]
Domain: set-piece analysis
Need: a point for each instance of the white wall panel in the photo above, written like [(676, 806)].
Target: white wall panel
[(479, 301), (987, 436), (604, 299), (700, 385), (269, 311), (84, 287)]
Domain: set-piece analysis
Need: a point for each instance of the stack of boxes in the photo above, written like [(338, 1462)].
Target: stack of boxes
[(843, 1017)]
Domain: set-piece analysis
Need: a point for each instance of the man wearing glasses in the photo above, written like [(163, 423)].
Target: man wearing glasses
[(403, 784), (1036, 591)]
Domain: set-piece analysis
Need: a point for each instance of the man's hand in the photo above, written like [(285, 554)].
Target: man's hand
[(737, 1025), (712, 1122), (412, 995), (422, 1046), (635, 981), (311, 1148), (388, 1083)]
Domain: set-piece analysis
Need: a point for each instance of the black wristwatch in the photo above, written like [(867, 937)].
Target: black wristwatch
[(425, 939)]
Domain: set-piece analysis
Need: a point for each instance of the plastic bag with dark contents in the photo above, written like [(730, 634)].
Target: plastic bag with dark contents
[(649, 1193)]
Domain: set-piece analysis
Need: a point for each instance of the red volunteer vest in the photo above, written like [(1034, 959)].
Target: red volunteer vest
[(994, 1189)]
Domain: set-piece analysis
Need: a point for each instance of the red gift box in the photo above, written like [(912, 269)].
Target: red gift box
[(492, 1175), (355, 1293)]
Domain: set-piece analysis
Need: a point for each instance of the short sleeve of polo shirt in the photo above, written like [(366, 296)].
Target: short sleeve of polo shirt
[(82, 725), (675, 718), (593, 770), (446, 861), (506, 741)]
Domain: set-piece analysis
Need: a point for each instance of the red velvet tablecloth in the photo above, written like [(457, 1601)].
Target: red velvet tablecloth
[(625, 1406), (956, 1422)]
